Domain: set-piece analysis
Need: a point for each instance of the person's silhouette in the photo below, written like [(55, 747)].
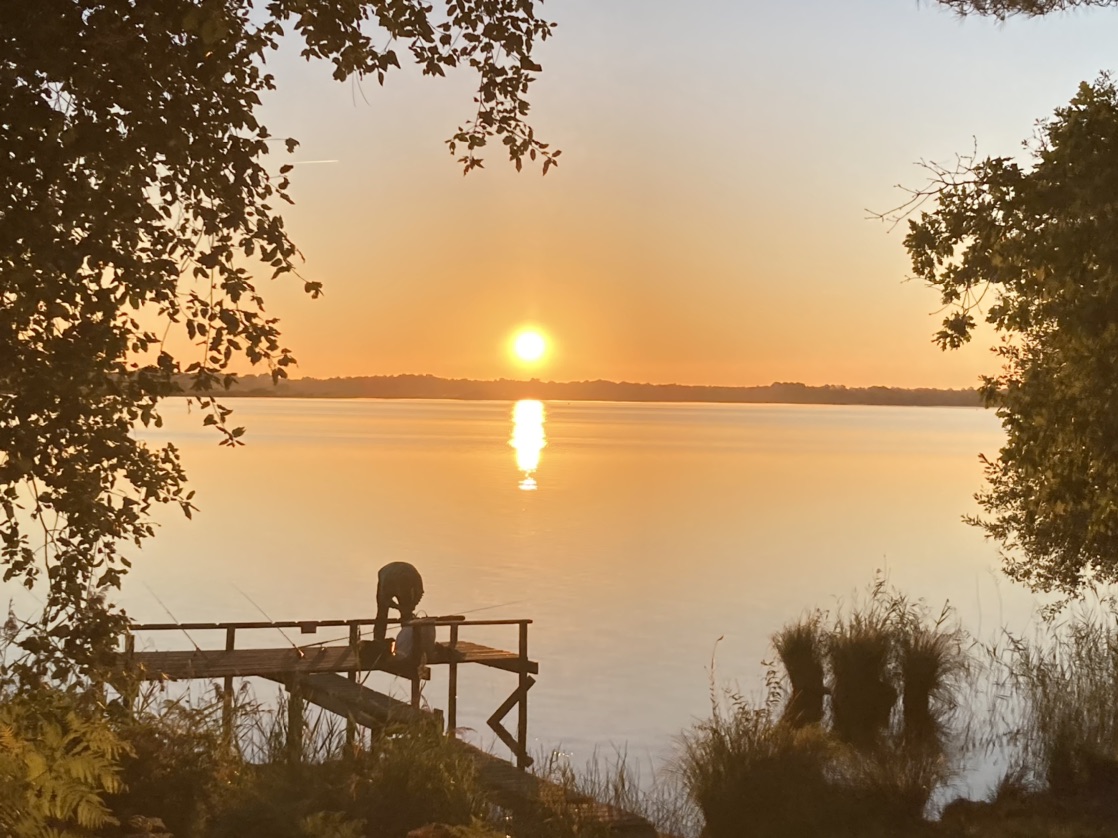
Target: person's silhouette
[(399, 586)]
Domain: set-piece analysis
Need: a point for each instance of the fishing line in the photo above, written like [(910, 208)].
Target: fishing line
[(174, 619), (270, 620)]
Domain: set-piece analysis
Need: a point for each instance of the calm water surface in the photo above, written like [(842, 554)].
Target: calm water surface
[(635, 536)]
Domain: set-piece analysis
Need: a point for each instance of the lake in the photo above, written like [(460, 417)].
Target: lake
[(634, 535)]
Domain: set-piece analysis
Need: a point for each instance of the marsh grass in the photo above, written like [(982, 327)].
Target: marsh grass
[(1067, 680), (867, 760), (615, 780)]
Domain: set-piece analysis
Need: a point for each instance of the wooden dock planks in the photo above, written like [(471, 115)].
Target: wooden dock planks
[(367, 707), (220, 663), (313, 674)]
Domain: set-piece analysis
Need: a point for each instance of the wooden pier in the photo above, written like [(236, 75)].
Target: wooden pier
[(326, 674)]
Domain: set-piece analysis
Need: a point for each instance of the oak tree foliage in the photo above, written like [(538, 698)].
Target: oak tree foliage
[(138, 201), (1033, 249)]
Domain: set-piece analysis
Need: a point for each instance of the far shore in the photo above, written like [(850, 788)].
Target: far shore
[(433, 387)]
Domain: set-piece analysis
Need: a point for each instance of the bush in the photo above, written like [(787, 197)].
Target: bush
[(413, 776), (180, 768)]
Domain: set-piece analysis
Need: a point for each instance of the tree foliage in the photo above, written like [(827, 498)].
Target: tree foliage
[(1002, 9), (1034, 248), (136, 203)]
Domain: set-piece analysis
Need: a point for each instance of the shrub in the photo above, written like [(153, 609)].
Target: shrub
[(412, 776), (180, 767), (742, 767)]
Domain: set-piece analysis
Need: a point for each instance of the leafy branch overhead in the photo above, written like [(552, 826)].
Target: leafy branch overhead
[(1002, 9), (137, 214), (1033, 250)]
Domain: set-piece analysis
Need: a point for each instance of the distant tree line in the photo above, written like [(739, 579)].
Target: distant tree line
[(433, 387)]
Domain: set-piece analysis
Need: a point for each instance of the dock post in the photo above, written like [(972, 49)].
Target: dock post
[(355, 648), (452, 689), (522, 758), (294, 721), (227, 690), (130, 686)]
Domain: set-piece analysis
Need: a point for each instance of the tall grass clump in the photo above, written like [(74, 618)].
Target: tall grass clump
[(747, 771), (854, 739), (861, 654), (801, 649)]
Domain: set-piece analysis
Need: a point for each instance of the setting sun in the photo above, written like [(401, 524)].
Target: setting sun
[(529, 346)]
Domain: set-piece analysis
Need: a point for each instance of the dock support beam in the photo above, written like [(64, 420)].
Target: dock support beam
[(227, 690), (452, 689), (294, 722), (350, 724), (522, 758)]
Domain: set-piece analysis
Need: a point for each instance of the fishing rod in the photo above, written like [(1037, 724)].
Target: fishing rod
[(460, 614), (174, 619), (298, 650)]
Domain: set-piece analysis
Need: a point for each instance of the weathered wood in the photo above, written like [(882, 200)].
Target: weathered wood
[(227, 690), (452, 684), (365, 706), (299, 624), (350, 724), (294, 721), (522, 758), (198, 663), (326, 675), (518, 744), (466, 652)]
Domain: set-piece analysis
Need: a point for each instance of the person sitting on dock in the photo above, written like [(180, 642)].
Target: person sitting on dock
[(399, 586)]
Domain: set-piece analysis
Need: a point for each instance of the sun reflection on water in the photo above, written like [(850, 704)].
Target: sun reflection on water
[(528, 439)]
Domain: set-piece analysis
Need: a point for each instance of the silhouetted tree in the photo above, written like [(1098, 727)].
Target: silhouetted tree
[(134, 200), (1034, 248)]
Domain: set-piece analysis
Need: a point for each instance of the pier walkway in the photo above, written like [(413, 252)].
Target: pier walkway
[(326, 674)]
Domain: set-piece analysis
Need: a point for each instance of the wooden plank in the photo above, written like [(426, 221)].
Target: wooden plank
[(466, 652), (367, 707), (221, 663), (300, 624), (157, 666)]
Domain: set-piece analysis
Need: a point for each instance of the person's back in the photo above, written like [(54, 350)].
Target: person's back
[(399, 586)]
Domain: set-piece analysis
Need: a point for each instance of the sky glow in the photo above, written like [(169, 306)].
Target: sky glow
[(708, 221)]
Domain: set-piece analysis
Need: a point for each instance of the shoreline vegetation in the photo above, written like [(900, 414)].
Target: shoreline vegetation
[(866, 722), (433, 387)]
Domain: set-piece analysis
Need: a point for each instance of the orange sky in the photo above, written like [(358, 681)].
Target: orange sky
[(707, 224)]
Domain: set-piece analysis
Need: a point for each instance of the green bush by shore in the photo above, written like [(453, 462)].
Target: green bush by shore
[(865, 721)]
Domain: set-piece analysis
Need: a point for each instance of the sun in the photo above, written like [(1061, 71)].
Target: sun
[(529, 346)]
